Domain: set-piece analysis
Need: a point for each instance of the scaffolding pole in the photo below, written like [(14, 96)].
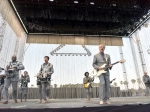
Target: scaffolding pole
[(2, 31), (139, 46), (123, 67)]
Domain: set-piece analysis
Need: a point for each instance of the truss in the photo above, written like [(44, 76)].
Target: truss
[(88, 53)]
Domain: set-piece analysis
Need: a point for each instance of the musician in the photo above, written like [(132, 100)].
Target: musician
[(100, 59), (146, 80), (12, 77), (1, 83), (88, 79), (24, 80), (45, 71)]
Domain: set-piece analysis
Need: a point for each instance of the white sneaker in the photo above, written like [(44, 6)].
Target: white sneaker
[(108, 102), (101, 102)]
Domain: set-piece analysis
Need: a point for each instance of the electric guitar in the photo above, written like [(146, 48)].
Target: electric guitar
[(97, 73), (88, 84)]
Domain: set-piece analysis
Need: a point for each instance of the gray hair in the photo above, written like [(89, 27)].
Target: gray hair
[(101, 45)]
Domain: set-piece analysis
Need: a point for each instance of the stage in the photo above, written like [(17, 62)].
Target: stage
[(75, 103)]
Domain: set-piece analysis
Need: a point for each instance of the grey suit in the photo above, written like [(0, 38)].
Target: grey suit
[(88, 90), (14, 80), (99, 60), (24, 86), (44, 88), (146, 81)]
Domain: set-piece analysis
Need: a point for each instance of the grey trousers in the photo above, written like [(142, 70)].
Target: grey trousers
[(48, 89), (104, 87), (44, 90), (88, 92), (1, 91), (23, 92), (14, 89), (147, 90)]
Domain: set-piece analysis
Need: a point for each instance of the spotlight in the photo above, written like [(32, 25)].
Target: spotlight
[(92, 3), (129, 32), (75, 1), (114, 4), (51, 0), (141, 20), (135, 6), (144, 16)]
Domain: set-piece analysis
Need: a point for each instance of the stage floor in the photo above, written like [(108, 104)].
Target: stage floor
[(76, 103)]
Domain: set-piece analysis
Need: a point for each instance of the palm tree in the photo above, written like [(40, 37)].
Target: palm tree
[(55, 85), (139, 82), (133, 82), (126, 84), (115, 84)]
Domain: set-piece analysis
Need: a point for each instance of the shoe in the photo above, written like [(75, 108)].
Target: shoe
[(101, 103), (40, 101), (15, 101), (44, 101), (6, 102), (107, 102), (88, 99)]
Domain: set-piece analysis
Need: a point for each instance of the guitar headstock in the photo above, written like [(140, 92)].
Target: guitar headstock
[(122, 61)]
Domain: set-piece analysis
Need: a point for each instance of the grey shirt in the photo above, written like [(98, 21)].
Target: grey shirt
[(27, 78), (100, 59), (47, 67), (16, 71), (87, 79)]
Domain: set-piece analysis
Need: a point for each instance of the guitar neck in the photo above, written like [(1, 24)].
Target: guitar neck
[(115, 63)]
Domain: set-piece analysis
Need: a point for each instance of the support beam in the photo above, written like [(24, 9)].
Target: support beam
[(9, 15), (139, 46), (2, 31), (123, 67), (74, 40)]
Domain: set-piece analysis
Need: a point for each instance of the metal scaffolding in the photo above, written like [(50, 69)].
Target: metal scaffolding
[(69, 54), (2, 31), (139, 46), (123, 67)]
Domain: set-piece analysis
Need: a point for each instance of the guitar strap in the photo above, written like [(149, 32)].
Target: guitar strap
[(106, 59)]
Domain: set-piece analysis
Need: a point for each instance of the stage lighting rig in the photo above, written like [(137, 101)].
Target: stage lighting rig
[(88, 53)]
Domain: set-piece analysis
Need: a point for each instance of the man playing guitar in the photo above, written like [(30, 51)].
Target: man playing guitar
[(12, 78), (87, 85), (100, 59)]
